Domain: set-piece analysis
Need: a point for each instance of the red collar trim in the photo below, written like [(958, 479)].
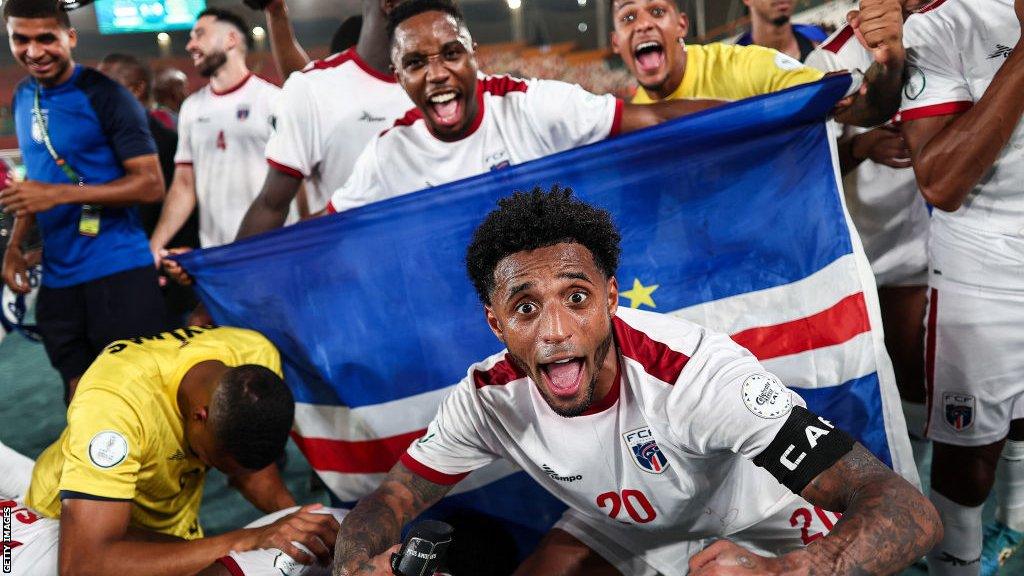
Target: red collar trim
[(612, 396), (389, 78), (233, 88)]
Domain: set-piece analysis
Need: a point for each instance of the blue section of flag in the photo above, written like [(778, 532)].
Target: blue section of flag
[(855, 406)]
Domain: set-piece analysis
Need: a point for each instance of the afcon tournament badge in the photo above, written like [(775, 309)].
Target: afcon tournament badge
[(243, 112), (958, 408), (644, 449)]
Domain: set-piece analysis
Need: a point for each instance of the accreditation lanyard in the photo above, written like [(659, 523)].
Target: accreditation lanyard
[(89, 223)]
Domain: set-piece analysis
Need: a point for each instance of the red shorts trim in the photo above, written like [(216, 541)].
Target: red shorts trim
[(232, 566)]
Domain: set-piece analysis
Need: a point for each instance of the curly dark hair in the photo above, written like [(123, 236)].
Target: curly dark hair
[(535, 219), (251, 414), (411, 8)]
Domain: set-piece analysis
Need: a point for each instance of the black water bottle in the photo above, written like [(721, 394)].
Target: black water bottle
[(423, 550)]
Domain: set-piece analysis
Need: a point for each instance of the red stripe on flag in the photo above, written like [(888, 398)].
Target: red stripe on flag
[(375, 456), (846, 319)]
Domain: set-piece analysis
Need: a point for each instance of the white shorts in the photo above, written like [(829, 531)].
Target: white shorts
[(794, 526), (29, 541), (974, 362), (273, 562)]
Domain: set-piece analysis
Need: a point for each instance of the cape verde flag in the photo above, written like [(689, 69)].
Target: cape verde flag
[(732, 218)]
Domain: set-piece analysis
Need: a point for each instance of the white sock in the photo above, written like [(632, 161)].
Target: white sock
[(15, 473), (959, 553), (1010, 486), (916, 416)]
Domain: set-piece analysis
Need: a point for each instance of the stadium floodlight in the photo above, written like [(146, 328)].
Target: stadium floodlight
[(582, 3), (514, 4)]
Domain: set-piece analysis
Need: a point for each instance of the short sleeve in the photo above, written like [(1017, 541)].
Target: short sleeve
[(770, 71), (183, 155), (841, 51), (295, 146), (566, 116), (364, 185), (102, 452), (122, 119), (724, 400), (453, 445), (936, 82)]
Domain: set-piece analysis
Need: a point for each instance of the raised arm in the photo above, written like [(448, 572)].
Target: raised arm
[(375, 524), (288, 53), (95, 539), (141, 183), (879, 28), (270, 209), (950, 157)]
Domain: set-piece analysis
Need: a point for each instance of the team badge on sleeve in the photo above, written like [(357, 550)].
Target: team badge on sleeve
[(765, 396), (959, 410), (644, 449), (107, 449)]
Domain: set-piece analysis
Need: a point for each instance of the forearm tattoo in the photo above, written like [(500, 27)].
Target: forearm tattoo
[(375, 524), (887, 523)]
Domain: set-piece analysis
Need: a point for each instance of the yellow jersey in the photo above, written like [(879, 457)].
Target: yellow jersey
[(728, 72), (125, 438)]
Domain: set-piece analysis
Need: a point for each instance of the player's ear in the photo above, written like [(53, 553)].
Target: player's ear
[(613, 296), (495, 323), (201, 414), (684, 25), (72, 38)]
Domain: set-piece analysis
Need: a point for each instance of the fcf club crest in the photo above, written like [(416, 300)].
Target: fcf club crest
[(958, 409), (644, 449), (243, 112)]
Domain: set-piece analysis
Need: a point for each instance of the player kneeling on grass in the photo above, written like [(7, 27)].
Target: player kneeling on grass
[(119, 492), (674, 435)]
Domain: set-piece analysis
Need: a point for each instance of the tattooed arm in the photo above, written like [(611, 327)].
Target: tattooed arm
[(375, 524), (886, 525)]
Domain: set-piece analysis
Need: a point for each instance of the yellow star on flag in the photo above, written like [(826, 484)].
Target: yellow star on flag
[(640, 294)]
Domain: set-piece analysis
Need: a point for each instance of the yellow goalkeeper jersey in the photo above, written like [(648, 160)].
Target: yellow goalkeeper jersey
[(729, 72), (124, 438)]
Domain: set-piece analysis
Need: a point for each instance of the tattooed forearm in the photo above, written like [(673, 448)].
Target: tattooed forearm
[(887, 523), (377, 520)]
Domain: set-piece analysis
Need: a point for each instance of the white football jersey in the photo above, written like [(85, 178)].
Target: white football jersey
[(326, 115), (271, 561), (223, 135), (668, 452), (519, 120), (954, 49), (888, 210)]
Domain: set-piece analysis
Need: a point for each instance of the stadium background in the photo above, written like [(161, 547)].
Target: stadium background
[(564, 39)]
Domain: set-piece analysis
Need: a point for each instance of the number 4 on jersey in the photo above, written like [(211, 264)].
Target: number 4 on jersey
[(221, 142)]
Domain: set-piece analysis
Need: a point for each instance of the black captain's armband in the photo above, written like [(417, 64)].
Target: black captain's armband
[(805, 446)]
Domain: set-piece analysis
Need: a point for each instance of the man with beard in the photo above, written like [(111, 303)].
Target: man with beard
[(89, 158), (662, 435), (770, 27), (222, 133), (649, 37)]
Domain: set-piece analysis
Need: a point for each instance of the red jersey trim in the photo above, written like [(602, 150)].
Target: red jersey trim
[(500, 374), (429, 473), (944, 109), (929, 357), (234, 88), (330, 208), (657, 359), (183, 163), (232, 566), (839, 40), (931, 6), (617, 120), (349, 55), (285, 169)]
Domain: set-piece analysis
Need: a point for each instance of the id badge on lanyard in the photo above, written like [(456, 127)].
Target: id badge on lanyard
[(89, 221)]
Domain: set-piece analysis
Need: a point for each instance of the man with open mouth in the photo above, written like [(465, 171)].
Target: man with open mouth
[(466, 123), (660, 435), (649, 37)]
